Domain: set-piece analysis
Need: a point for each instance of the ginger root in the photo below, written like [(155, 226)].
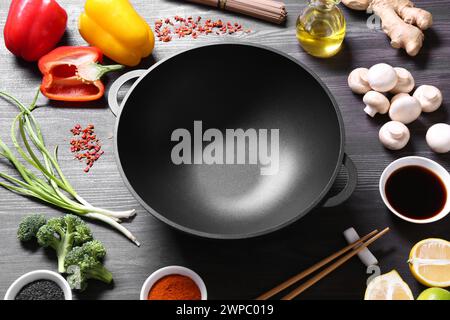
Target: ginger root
[(400, 20)]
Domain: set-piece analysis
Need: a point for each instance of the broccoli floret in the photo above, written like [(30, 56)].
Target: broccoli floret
[(29, 226), (84, 263), (62, 234)]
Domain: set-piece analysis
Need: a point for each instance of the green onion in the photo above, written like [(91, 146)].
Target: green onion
[(51, 186)]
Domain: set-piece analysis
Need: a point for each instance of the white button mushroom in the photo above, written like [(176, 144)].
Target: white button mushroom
[(430, 97), (382, 77), (404, 108), (399, 95), (438, 138), (394, 135), (375, 103), (357, 80), (405, 82)]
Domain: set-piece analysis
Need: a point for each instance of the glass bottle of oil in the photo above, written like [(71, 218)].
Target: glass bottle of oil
[(321, 28)]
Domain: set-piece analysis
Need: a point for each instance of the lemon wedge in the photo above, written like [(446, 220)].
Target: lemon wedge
[(389, 286), (429, 261)]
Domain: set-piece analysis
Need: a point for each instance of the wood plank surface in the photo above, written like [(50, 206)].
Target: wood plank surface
[(235, 269)]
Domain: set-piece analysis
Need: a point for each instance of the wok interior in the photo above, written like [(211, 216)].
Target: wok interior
[(229, 87)]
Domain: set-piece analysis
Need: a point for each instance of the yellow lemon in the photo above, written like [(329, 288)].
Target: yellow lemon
[(389, 286), (429, 261)]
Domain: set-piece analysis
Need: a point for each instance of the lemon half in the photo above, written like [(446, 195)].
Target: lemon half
[(389, 286), (429, 261)]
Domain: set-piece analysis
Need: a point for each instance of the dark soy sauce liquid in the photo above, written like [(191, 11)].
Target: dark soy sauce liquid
[(416, 192)]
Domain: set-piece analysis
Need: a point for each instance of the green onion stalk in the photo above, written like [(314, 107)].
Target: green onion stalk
[(52, 187)]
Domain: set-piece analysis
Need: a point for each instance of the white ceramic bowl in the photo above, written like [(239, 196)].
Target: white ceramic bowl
[(422, 162), (38, 275), (166, 271)]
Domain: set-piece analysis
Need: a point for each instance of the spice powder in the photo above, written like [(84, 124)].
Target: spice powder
[(174, 287)]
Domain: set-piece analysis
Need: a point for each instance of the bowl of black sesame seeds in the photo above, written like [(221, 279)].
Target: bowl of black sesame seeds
[(39, 285)]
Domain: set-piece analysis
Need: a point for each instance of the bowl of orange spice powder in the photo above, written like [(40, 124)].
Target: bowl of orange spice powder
[(174, 283)]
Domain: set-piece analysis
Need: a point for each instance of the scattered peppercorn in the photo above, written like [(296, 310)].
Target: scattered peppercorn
[(166, 28), (41, 290), (85, 145)]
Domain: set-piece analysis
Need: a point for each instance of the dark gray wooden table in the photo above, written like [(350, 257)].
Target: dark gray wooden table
[(236, 269)]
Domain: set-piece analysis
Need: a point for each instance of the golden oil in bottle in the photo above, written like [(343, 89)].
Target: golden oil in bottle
[(321, 28)]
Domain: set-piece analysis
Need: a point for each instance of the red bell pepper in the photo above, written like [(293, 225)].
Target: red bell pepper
[(34, 27), (73, 74)]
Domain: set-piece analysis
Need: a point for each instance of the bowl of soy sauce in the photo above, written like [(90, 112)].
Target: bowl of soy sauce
[(416, 189)]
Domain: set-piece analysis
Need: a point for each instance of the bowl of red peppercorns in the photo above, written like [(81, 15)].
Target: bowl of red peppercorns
[(174, 283)]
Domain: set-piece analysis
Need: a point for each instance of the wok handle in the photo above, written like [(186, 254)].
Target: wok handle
[(349, 187), (115, 87)]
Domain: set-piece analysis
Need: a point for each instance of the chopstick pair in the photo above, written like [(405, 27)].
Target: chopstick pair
[(357, 246)]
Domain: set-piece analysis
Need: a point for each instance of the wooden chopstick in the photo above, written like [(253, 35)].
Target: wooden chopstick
[(355, 245), (333, 267), (313, 268)]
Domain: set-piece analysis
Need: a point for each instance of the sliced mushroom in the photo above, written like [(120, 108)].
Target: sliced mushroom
[(382, 77), (394, 135), (430, 97), (405, 82), (438, 138), (375, 103), (357, 80), (404, 108)]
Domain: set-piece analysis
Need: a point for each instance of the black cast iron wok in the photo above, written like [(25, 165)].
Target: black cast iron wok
[(230, 86)]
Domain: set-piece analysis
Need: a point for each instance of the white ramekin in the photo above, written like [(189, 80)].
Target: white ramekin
[(422, 162), (17, 285), (166, 271)]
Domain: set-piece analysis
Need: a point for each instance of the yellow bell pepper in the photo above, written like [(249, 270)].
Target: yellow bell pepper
[(117, 30)]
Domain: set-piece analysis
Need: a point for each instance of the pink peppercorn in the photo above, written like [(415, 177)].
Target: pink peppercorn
[(190, 26), (85, 145)]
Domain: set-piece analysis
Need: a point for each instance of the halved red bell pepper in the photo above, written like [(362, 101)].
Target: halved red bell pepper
[(34, 27), (73, 74)]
